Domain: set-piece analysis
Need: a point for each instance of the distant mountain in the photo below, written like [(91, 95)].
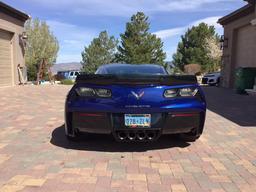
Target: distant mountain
[(66, 67)]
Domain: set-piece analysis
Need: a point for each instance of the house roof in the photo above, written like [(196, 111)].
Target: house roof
[(13, 12), (246, 10), (250, 1)]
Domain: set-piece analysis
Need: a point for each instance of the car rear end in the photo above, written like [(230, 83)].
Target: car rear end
[(135, 109)]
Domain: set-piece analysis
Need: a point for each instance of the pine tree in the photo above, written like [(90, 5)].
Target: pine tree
[(102, 50), (138, 45), (191, 49)]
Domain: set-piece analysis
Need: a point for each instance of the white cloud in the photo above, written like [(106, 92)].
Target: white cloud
[(127, 7), (209, 20), (71, 32), (66, 58), (167, 33), (72, 39), (185, 5)]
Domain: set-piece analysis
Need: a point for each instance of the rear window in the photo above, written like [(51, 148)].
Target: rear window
[(133, 70)]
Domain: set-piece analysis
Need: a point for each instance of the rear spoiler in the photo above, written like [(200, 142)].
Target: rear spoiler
[(107, 79)]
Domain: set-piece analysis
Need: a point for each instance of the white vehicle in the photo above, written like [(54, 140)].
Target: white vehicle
[(211, 78), (68, 74)]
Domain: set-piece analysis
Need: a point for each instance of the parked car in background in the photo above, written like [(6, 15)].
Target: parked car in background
[(135, 103), (211, 78), (67, 75)]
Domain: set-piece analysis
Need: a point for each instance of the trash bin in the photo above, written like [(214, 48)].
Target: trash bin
[(244, 79)]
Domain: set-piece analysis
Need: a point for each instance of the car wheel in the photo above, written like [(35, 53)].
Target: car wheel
[(73, 138), (190, 137)]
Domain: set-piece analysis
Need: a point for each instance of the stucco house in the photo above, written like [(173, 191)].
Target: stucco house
[(239, 41), (12, 42)]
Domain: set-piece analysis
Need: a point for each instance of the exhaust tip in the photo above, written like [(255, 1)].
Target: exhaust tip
[(141, 135), (121, 135), (151, 135), (131, 136)]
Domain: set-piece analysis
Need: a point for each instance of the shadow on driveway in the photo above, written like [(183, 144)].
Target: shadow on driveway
[(106, 143), (240, 109)]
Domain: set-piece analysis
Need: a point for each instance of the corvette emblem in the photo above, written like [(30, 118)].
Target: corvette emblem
[(138, 96)]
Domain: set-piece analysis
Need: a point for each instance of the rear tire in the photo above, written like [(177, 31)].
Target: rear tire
[(190, 137), (74, 138)]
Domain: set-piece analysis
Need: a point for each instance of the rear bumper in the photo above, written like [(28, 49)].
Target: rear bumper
[(107, 123)]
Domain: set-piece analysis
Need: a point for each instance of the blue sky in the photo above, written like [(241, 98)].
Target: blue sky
[(76, 22)]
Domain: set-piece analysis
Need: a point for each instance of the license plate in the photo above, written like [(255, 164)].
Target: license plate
[(137, 120)]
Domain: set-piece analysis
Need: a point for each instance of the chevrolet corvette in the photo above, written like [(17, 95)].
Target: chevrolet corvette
[(135, 103)]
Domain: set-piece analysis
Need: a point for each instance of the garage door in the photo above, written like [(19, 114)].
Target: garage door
[(5, 59), (246, 47)]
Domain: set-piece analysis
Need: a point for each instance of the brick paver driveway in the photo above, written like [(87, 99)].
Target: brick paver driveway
[(35, 156)]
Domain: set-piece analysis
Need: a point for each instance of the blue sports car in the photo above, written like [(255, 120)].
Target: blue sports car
[(135, 103)]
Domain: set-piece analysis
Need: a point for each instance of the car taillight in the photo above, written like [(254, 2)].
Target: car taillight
[(103, 92), (171, 93), (188, 92), (85, 92), (93, 92), (182, 92)]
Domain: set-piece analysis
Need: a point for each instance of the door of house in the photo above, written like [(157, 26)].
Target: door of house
[(6, 68)]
